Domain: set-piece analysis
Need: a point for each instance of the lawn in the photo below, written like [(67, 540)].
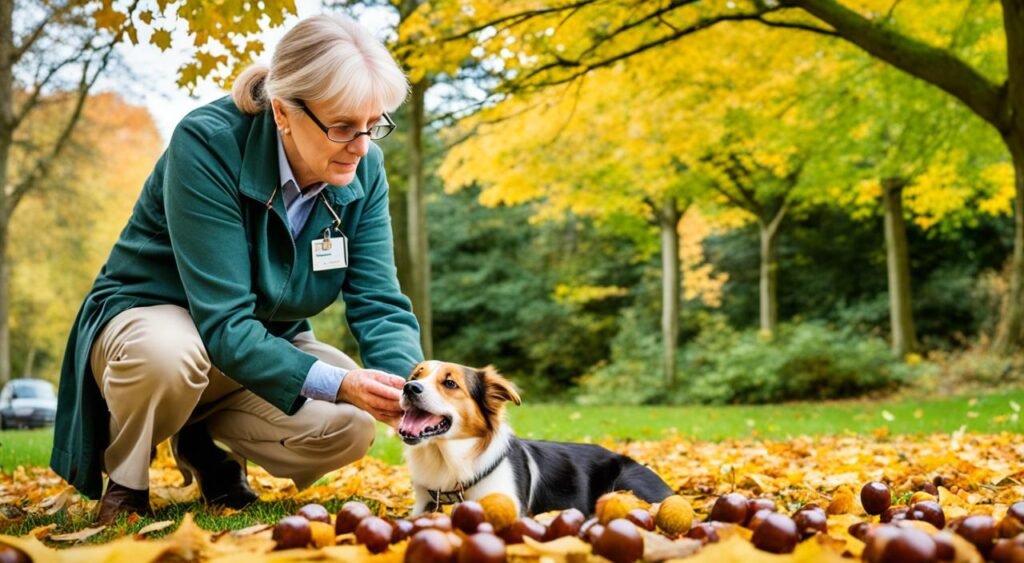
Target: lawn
[(991, 412)]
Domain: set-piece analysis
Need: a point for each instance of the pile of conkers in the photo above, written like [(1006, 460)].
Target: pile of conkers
[(481, 531)]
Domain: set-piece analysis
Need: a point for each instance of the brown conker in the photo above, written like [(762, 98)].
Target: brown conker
[(524, 526), (979, 530), (567, 523), (292, 532), (731, 508), (11, 554), (401, 529), (375, 533), (429, 546), (928, 511), (811, 520), (468, 515), (641, 518), (875, 496), (482, 548), (349, 517), (620, 542), (777, 533), (315, 513)]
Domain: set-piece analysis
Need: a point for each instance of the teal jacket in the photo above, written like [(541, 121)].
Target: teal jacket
[(209, 232)]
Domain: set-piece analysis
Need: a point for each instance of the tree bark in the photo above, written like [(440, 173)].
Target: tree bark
[(769, 270), (1010, 334), (901, 317), (6, 136), (419, 248), (668, 223)]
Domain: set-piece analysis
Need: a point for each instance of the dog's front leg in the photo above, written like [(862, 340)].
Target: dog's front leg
[(422, 498)]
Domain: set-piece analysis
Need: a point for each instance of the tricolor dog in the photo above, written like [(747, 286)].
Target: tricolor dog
[(461, 448)]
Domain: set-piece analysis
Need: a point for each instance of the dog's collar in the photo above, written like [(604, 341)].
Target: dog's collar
[(443, 498)]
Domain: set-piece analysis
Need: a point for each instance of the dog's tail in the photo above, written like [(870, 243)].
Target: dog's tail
[(644, 482)]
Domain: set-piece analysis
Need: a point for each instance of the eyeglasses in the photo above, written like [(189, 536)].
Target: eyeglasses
[(347, 133)]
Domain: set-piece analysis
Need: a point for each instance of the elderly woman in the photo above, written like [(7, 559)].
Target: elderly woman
[(265, 206)]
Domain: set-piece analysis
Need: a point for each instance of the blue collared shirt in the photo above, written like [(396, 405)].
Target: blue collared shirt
[(323, 381)]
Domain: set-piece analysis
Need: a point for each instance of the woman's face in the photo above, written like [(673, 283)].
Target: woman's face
[(315, 158)]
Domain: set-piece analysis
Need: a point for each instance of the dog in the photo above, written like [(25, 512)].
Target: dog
[(460, 448)]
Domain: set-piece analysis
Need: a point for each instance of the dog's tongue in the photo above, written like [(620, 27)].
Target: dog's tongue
[(415, 421)]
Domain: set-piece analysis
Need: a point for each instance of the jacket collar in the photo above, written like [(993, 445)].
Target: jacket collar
[(260, 175)]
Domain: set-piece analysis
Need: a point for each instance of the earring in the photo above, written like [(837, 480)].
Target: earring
[(286, 131)]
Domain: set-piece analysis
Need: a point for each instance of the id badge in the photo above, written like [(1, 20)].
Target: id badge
[(330, 253)]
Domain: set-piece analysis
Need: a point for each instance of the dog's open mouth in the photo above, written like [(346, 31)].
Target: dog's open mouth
[(418, 424)]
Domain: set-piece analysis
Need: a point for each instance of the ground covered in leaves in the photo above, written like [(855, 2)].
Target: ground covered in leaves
[(976, 473)]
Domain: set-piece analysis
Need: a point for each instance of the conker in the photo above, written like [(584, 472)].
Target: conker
[(944, 550), (349, 516), (568, 523), (593, 532), (291, 532), (894, 514), (315, 513), (706, 532), (810, 521), (876, 540), (523, 527), (467, 516), (11, 554), (482, 548), (1013, 523), (755, 505), (979, 530), (375, 533), (641, 518), (620, 542), (485, 528), (400, 530), (776, 534), (730, 508), (859, 530), (429, 546), (1008, 550), (436, 521), (928, 511), (875, 497), (910, 545)]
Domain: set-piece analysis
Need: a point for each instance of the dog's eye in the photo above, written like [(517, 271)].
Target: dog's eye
[(450, 383)]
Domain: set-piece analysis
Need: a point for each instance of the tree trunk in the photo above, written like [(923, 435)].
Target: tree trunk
[(419, 248), (1009, 336), (30, 361), (769, 270), (668, 223), (6, 135), (901, 318), (400, 228)]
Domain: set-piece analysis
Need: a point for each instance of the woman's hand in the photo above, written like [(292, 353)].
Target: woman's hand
[(376, 392)]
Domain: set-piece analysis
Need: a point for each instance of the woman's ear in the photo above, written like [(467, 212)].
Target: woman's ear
[(280, 117), (498, 389)]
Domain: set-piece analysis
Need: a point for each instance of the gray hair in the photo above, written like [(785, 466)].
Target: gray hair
[(324, 57)]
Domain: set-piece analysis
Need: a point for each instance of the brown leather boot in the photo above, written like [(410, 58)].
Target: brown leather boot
[(221, 478), (119, 499)]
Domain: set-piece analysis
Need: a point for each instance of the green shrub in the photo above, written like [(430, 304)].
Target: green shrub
[(807, 361)]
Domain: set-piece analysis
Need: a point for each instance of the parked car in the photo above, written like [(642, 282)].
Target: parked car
[(27, 403)]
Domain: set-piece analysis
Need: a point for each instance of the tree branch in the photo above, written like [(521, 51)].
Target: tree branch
[(933, 65), (44, 164)]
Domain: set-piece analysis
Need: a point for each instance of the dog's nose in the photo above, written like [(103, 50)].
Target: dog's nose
[(412, 388)]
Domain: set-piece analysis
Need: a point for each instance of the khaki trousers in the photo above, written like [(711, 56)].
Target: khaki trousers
[(153, 371)]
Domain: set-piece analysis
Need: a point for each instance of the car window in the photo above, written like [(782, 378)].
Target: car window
[(34, 390)]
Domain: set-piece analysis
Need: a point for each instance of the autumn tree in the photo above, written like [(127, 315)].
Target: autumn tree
[(61, 236), (53, 53), (975, 56)]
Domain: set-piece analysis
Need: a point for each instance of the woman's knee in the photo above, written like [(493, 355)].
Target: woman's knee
[(160, 361), (347, 431)]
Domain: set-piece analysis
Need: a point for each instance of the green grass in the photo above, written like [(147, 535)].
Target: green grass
[(989, 412)]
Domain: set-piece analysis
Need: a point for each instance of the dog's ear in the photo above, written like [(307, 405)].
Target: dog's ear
[(498, 389)]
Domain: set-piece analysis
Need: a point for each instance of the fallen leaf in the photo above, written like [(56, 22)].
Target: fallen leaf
[(155, 527), (79, 535)]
